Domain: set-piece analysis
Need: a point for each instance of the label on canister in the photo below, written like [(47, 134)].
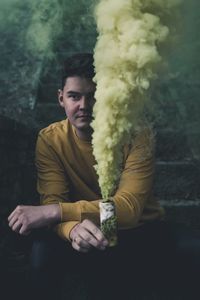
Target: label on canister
[(108, 221)]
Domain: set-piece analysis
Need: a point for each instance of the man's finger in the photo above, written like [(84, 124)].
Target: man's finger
[(81, 242), (78, 248), (95, 231), (90, 239), (98, 234), (16, 211), (23, 230), (13, 221), (11, 215), (16, 226)]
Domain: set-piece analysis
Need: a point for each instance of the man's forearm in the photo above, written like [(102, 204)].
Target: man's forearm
[(25, 218), (51, 213)]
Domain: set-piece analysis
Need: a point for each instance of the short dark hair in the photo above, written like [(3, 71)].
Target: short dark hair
[(80, 64)]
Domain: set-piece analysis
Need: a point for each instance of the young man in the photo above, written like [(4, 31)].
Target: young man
[(70, 195), (67, 181)]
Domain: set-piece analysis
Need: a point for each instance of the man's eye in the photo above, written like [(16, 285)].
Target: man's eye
[(74, 97)]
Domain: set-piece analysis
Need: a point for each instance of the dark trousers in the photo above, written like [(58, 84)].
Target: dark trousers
[(145, 262)]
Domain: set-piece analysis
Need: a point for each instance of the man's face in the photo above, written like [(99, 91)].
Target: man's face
[(77, 98)]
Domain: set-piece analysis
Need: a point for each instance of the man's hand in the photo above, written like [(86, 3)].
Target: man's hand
[(86, 235), (25, 218)]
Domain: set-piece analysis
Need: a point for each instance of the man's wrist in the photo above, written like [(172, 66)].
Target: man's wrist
[(52, 213)]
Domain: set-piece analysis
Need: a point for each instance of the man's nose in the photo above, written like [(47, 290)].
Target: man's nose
[(84, 103)]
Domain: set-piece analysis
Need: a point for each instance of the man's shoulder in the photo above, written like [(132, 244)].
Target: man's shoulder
[(54, 130), (142, 143)]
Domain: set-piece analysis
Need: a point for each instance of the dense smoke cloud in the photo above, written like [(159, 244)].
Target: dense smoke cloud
[(126, 56), (25, 52), (45, 26), (35, 37), (60, 23)]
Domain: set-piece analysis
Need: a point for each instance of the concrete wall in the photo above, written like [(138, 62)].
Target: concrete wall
[(33, 44)]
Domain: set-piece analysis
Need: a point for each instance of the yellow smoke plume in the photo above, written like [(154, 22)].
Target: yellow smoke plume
[(126, 56)]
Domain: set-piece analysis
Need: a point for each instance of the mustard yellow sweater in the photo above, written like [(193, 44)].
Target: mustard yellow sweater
[(66, 176)]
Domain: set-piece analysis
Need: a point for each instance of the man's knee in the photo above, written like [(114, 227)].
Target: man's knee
[(47, 251), (40, 255)]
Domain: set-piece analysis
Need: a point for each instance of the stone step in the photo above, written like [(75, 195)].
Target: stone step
[(183, 211), (177, 180), (172, 145)]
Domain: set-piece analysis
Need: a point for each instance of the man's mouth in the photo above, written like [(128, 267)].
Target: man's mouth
[(84, 116)]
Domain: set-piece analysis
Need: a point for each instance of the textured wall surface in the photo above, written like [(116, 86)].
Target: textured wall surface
[(35, 37), (33, 44)]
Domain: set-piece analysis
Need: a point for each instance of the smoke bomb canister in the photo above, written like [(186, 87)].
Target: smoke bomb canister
[(108, 221)]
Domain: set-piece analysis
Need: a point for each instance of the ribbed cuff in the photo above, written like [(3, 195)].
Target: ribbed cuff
[(70, 211), (64, 229)]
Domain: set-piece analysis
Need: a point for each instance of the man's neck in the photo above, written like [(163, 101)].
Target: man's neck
[(85, 135)]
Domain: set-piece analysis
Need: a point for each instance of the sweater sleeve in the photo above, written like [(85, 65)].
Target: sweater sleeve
[(134, 188), (52, 183), (63, 229)]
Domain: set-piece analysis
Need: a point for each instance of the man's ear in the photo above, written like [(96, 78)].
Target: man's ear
[(60, 97)]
